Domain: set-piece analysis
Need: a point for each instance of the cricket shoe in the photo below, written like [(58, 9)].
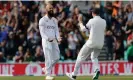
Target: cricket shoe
[(49, 78), (70, 76), (96, 75)]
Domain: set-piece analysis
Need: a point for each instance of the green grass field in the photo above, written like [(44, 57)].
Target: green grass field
[(65, 78)]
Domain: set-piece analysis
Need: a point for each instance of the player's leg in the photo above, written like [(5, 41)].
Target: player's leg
[(83, 55), (47, 48), (55, 53), (94, 58), (52, 59), (48, 62)]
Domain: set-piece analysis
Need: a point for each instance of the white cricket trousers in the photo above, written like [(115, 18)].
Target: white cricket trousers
[(51, 53), (84, 53)]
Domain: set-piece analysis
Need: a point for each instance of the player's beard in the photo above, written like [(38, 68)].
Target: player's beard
[(50, 13)]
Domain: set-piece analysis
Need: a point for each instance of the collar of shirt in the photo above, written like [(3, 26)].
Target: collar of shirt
[(96, 16)]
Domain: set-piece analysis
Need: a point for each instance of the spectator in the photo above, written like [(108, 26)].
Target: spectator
[(11, 45), (3, 33), (130, 39), (31, 42), (62, 17), (119, 54), (129, 13), (72, 44), (119, 37), (68, 25), (87, 16), (129, 28), (68, 54), (39, 57), (97, 4), (9, 59), (116, 6), (3, 47), (75, 14), (2, 58), (130, 52), (21, 41), (117, 25), (19, 55), (110, 45), (63, 45), (108, 14), (28, 57), (80, 39)]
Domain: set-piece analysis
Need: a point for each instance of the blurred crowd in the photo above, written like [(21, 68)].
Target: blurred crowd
[(20, 39)]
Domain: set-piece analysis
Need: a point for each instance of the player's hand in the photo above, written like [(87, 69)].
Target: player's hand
[(59, 40), (80, 18), (50, 40)]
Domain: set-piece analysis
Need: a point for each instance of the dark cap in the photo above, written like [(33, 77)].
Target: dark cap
[(95, 10)]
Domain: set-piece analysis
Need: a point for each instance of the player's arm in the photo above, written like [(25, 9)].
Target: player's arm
[(42, 32), (57, 31), (82, 27)]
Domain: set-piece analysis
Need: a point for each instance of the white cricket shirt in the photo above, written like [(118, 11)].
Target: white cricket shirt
[(97, 27), (48, 28)]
